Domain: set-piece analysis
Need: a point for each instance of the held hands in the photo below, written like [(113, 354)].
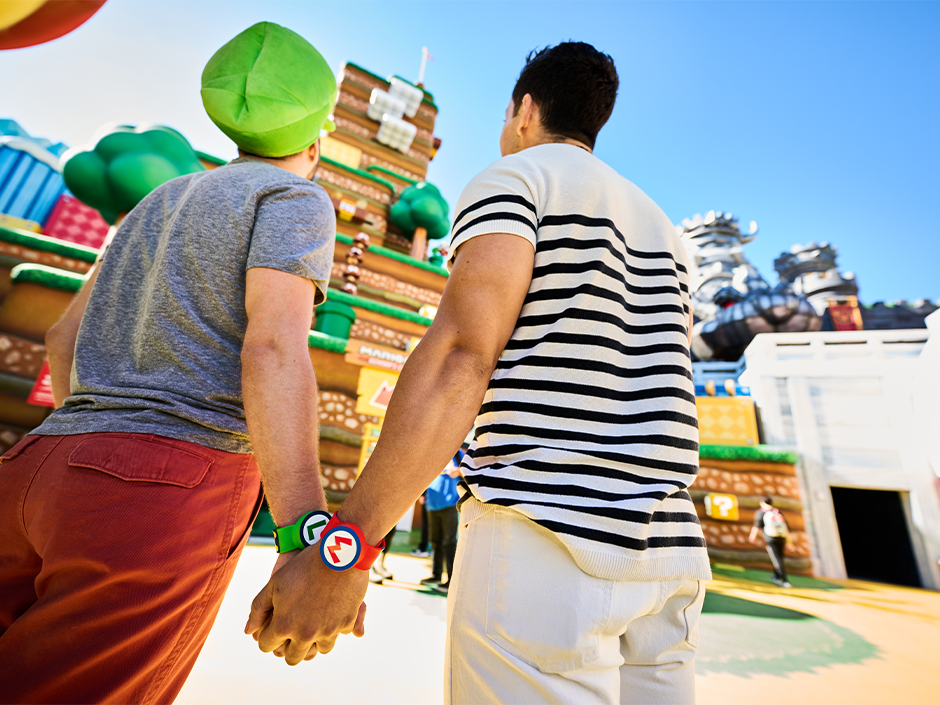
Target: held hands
[(282, 559), (305, 606)]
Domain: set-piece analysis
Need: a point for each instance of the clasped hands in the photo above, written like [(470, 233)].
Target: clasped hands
[(305, 606)]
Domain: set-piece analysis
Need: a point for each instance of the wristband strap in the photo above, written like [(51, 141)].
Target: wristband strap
[(302, 533), (344, 546)]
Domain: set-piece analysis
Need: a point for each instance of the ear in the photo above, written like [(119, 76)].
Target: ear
[(313, 151), (526, 115)]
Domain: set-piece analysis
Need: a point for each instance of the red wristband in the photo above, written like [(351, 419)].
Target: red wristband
[(343, 546)]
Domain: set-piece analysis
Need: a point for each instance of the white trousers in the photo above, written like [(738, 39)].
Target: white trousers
[(526, 625)]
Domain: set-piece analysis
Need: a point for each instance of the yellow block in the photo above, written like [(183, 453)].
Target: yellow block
[(375, 390), (11, 221), (341, 152), (370, 436), (730, 421), (721, 506)]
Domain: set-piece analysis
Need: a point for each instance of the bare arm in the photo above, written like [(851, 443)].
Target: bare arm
[(280, 392), (442, 385), (60, 341), (435, 403)]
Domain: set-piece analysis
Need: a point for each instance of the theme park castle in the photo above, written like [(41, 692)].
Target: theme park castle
[(804, 394)]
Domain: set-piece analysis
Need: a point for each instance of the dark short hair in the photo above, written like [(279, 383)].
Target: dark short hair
[(768, 500), (575, 87)]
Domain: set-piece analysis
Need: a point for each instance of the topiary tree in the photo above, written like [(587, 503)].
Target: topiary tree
[(422, 214), (126, 163)]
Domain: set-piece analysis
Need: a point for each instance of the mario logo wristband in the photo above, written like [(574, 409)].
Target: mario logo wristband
[(344, 546), (305, 532)]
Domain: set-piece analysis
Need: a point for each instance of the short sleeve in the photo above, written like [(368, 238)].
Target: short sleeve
[(500, 199), (295, 232), (759, 518)]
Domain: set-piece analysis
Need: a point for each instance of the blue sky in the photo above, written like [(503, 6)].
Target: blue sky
[(817, 120)]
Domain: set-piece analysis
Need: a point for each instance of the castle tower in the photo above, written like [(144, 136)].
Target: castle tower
[(812, 272), (731, 301)]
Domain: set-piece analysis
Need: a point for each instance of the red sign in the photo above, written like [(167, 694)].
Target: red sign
[(845, 316), (42, 390), (383, 395)]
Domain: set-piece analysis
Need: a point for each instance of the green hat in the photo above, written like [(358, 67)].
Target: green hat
[(269, 90)]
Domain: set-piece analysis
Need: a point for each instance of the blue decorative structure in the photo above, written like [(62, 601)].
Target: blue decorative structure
[(30, 173), (702, 390)]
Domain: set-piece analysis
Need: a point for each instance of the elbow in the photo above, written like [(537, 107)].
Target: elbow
[(465, 353), (60, 338), (474, 362), (258, 353), (265, 352), (52, 338)]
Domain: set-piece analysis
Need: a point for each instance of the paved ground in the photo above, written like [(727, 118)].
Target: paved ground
[(820, 642)]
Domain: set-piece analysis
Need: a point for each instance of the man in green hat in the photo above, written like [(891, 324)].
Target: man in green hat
[(183, 380)]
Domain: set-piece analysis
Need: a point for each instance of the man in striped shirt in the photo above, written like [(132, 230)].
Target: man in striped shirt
[(564, 334)]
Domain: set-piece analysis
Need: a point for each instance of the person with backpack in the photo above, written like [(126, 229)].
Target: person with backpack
[(776, 536)]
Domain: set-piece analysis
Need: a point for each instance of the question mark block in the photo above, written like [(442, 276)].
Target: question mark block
[(721, 506)]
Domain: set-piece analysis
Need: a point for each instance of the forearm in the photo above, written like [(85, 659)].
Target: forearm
[(60, 351), (436, 401), (280, 397), (60, 341)]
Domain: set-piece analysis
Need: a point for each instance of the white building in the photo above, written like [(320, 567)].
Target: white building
[(863, 410)]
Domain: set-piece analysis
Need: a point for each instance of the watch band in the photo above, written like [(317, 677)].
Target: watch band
[(344, 546), (302, 533)]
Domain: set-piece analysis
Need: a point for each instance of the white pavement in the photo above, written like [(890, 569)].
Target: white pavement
[(849, 642), (400, 660)]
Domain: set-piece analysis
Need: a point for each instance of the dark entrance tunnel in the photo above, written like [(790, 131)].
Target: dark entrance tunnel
[(876, 542)]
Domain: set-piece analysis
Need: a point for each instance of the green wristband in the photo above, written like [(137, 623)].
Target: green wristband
[(303, 533)]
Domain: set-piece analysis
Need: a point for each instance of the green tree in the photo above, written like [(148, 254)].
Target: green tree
[(421, 206), (125, 164)]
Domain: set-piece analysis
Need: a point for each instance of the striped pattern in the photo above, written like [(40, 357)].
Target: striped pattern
[(589, 423)]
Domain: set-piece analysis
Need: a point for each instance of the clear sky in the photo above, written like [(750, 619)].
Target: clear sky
[(821, 121)]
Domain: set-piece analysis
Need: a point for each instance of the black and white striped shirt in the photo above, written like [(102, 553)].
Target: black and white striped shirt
[(588, 426)]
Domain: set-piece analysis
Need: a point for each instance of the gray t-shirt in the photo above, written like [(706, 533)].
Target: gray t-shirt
[(159, 348)]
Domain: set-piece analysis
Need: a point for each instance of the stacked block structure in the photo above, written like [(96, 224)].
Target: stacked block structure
[(749, 474), (365, 170), (38, 296), (735, 472), (363, 174)]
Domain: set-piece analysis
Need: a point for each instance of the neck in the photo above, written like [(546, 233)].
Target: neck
[(294, 166), (551, 139), (576, 143)]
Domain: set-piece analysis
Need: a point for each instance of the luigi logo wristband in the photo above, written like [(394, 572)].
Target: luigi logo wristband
[(344, 546), (305, 532)]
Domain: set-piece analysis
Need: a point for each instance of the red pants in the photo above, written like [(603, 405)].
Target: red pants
[(115, 552)]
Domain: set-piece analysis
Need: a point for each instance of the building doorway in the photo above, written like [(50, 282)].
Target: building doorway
[(876, 542)]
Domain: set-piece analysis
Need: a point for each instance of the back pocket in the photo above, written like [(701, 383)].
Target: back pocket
[(137, 459), (541, 607), (19, 447)]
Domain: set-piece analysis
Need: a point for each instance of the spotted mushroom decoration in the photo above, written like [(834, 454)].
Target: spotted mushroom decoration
[(353, 260)]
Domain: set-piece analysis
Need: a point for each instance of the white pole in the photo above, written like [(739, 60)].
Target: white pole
[(424, 62)]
